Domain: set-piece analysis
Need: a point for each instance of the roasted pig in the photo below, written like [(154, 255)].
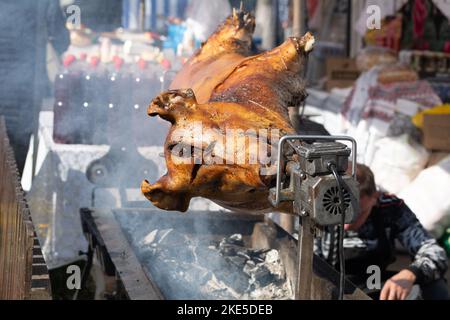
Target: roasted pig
[(225, 127), (208, 151)]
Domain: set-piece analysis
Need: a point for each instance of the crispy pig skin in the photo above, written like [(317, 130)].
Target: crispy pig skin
[(273, 79), (221, 89), (214, 61)]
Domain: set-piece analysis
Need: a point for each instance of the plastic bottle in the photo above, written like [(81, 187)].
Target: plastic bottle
[(67, 99), (95, 97), (87, 110), (119, 96), (102, 100), (145, 87)]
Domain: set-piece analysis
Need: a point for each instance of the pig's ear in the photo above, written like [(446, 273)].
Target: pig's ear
[(242, 19), (183, 97), (305, 44), (168, 104)]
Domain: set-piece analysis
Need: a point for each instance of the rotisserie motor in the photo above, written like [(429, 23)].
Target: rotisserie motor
[(228, 112)]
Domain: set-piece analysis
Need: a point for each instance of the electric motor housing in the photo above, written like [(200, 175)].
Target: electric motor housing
[(320, 199)]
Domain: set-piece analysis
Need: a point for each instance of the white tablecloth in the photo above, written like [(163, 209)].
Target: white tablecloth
[(60, 188)]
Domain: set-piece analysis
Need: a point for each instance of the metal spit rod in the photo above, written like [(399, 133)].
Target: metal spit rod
[(305, 260)]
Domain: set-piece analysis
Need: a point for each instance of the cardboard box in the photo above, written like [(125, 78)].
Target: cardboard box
[(436, 157), (436, 132), (341, 73)]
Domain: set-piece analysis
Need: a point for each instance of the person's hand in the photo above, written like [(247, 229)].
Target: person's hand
[(399, 286)]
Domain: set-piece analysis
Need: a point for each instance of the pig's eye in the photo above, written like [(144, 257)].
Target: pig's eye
[(180, 150)]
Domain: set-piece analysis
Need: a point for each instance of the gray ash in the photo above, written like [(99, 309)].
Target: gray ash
[(192, 267)]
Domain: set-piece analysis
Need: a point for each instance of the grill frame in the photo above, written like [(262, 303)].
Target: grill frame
[(23, 271)]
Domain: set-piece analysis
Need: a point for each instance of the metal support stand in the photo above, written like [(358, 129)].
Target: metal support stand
[(321, 192), (303, 283), (287, 222)]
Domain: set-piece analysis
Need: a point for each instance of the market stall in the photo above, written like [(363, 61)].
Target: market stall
[(264, 127)]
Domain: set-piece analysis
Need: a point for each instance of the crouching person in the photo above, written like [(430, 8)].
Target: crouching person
[(369, 244)]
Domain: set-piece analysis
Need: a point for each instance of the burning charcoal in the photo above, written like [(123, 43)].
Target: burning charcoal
[(243, 255), (258, 259), (272, 292), (261, 253), (203, 267), (249, 267), (275, 265), (262, 276), (226, 271), (237, 260), (222, 243), (272, 256), (234, 277), (236, 239), (233, 250), (251, 263), (228, 250)]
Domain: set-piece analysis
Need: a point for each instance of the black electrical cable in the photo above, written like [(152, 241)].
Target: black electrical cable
[(340, 184)]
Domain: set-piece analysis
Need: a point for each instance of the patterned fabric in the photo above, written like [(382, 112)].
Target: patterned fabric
[(419, 15), (374, 242), (371, 112), (382, 98), (371, 100)]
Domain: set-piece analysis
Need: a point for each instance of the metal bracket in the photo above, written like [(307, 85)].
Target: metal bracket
[(283, 140)]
